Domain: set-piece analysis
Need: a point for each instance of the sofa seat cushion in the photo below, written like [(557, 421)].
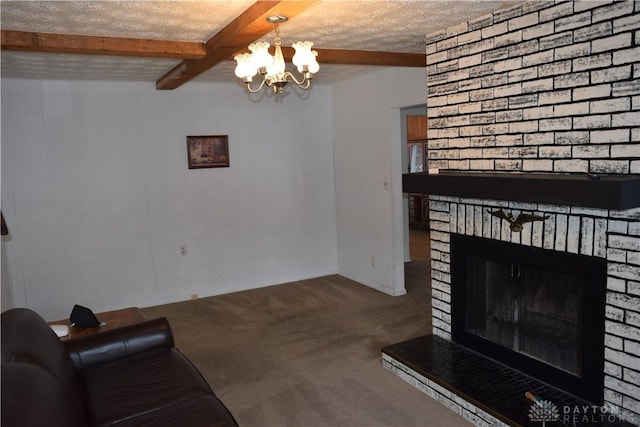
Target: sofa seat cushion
[(202, 411), (153, 381)]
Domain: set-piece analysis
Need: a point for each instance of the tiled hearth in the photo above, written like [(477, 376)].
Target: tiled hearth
[(542, 87)]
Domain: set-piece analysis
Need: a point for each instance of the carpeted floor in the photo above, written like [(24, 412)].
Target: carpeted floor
[(307, 354)]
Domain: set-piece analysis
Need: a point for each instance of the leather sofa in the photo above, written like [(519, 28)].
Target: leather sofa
[(129, 376)]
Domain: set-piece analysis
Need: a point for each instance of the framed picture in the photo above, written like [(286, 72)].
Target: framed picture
[(210, 151)]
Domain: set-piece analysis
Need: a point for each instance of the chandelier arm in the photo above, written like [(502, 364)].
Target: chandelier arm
[(248, 84), (296, 81)]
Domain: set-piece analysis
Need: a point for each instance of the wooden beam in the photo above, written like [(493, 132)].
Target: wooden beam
[(95, 45), (364, 57), (245, 29)]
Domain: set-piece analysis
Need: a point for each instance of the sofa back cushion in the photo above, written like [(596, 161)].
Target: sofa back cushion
[(40, 385)]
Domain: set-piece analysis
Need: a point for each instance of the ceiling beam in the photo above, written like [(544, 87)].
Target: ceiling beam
[(26, 41), (246, 28), (364, 57)]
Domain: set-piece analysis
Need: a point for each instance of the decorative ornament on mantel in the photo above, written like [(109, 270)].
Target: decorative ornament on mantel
[(272, 68), (516, 224)]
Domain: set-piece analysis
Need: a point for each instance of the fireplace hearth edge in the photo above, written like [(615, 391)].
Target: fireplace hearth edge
[(479, 389)]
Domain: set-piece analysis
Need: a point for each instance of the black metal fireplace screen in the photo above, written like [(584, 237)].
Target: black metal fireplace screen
[(536, 310)]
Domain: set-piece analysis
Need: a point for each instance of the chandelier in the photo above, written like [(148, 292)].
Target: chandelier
[(272, 68)]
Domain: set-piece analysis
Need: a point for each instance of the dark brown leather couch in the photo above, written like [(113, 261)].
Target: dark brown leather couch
[(130, 376)]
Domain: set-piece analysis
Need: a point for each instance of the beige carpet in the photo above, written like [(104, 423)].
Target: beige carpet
[(308, 353)]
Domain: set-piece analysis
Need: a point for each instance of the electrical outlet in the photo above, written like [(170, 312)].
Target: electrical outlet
[(194, 296), (183, 249)]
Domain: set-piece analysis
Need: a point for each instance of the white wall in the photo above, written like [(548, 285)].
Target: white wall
[(98, 198), (368, 174)]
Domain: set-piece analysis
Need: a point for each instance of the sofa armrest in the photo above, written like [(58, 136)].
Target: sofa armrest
[(121, 342)]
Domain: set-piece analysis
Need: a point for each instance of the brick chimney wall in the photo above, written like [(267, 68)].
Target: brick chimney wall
[(554, 88)]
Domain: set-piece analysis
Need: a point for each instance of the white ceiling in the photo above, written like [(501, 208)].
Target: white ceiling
[(378, 25)]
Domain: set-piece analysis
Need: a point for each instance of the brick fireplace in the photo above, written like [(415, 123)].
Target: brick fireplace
[(542, 89)]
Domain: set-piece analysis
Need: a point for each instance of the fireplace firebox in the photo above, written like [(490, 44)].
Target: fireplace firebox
[(536, 310)]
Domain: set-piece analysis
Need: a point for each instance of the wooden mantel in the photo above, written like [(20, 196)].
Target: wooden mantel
[(615, 192)]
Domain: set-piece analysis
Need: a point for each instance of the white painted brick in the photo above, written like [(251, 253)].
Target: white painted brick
[(523, 152), (613, 342), (608, 136), (523, 21), (556, 12), (617, 255), (537, 31), (625, 119), (626, 23), (610, 105), (435, 101), (563, 123), (612, 369), (469, 37), (537, 165), (572, 51), (553, 40), (555, 152), (507, 39), (626, 56), (537, 58), (458, 98), (484, 165), (624, 271), (537, 85), (508, 165), (554, 97), (580, 6), (572, 137), (626, 150), (523, 127), (508, 90), (509, 116), (592, 122), (571, 80), (508, 140), (615, 284), (573, 229), (591, 32), (635, 167), (522, 101), (590, 151), (613, 11), (614, 313), (626, 88), (593, 61), (576, 108), (537, 113), (495, 30), (469, 61), (624, 242), (621, 386), (609, 166), (573, 21), (495, 129), (507, 65), (586, 235), (611, 43), (574, 165), (552, 69), (598, 91), (610, 74), (457, 29)]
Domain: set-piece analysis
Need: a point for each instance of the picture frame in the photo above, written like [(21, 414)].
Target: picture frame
[(208, 151)]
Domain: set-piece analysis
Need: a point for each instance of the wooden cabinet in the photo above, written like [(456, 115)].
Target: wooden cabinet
[(416, 128)]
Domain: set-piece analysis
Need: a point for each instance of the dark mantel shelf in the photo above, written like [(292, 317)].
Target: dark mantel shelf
[(615, 192)]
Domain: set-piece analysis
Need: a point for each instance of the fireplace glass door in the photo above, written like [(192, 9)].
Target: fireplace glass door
[(526, 309), (536, 310)]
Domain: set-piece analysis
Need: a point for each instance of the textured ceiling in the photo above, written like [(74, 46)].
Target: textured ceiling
[(384, 25)]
